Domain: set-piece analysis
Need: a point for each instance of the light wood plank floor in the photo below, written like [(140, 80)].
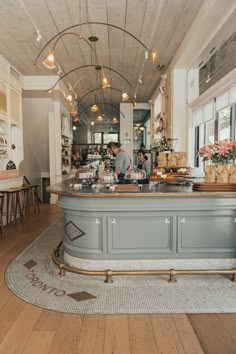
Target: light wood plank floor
[(28, 329)]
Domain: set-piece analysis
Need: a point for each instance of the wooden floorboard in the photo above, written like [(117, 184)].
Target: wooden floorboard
[(216, 332), (26, 329)]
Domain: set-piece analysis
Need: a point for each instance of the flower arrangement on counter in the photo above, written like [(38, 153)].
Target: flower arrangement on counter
[(219, 152)]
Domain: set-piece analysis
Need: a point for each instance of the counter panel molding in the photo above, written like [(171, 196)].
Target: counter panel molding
[(171, 223), (86, 237), (208, 233), (140, 234)]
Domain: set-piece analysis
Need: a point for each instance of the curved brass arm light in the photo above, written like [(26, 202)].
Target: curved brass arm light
[(49, 61), (86, 66), (149, 53), (102, 103), (125, 97)]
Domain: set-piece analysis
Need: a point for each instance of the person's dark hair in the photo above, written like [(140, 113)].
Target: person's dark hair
[(112, 144), (144, 154)]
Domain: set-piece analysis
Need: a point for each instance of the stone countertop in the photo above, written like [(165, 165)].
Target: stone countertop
[(152, 190)]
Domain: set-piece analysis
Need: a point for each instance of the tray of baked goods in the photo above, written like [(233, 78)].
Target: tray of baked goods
[(214, 187), (163, 177)]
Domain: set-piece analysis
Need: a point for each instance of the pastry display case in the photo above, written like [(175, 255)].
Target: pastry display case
[(135, 174)]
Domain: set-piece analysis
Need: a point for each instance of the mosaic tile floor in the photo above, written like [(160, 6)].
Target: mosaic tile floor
[(33, 277)]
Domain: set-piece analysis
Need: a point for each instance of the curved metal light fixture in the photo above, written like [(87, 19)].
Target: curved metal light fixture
[(49, 61), (111, 88), (149, 53), (86, 66), (102, 103)]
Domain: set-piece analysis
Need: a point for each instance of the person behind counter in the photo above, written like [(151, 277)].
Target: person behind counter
[(143, 163), (122, 160)]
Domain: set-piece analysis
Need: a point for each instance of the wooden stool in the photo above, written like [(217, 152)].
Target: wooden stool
[(13, 200), (1, 211), (30, 198)]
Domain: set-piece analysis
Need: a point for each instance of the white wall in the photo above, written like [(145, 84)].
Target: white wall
[(193, 85), (36, 137), (179, 109)]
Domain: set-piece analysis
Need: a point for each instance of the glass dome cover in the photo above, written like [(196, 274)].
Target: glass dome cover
[(135, 173), (85, 173), (108, 177)]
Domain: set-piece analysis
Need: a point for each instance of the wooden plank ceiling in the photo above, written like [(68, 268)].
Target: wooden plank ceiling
[(158, 24)]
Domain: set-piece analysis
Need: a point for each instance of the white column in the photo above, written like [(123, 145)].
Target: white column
[(126, 128)]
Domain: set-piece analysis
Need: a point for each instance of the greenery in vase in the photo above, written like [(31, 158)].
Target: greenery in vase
[(219, 152)]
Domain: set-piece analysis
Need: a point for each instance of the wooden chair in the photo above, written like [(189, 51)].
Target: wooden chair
[(30, 199), (12, 196)]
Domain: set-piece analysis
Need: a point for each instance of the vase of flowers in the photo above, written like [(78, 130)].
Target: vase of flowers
[(221, 154)]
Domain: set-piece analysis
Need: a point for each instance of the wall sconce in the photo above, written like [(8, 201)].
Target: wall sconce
[(92, 123)]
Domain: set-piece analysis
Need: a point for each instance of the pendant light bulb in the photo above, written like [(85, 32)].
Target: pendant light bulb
[(94, 108), (99, 119), (49, 61), (69, 98), (105, 83), (151, 55), (125, 97)]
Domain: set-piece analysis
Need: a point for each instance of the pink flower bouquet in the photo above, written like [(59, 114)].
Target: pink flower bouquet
[(220, 151)]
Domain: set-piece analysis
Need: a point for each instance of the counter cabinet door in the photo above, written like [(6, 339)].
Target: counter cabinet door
[(207, 234), (140, 233), (84, 233)]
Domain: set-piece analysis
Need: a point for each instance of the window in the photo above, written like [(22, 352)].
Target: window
[(223, 121), (223, 127), (210, 132), (98, 138), (105, 138)]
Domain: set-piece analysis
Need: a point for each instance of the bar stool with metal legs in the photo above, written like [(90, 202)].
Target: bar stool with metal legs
[(1, 211)]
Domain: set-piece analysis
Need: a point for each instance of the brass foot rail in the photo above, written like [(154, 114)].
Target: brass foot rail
[(109, 273)]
